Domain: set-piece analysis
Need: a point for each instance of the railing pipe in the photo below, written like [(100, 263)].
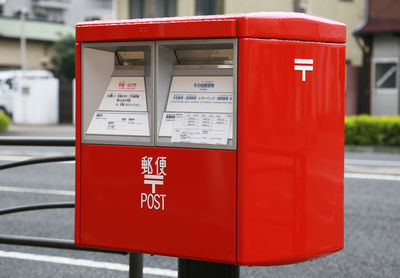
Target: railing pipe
[(51, 243), (37, 207), (37, 161), (37, 141)]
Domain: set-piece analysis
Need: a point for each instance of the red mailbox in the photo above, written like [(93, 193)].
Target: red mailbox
[(217, 138)]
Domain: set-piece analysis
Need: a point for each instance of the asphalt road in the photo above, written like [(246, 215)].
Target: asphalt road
[(372, 225)]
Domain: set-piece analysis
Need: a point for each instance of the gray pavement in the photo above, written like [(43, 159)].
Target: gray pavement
[(66, 130), (372, 222)]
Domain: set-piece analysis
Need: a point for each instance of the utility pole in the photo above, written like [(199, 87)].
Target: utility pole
[(23, 12)]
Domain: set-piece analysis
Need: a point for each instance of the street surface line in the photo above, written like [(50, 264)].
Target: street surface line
[(372, 176), (160, 271), (14, 158), (372, 162), (86, 263), (37, 190)]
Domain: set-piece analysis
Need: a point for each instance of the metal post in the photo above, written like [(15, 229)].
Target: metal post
[(135, 265), (115, 9), (200, 269), (23, 40)]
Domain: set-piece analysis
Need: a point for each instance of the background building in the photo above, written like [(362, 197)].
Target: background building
[(40, 37), (350, 12), (379, 36), (69, 12), (373, 53), (46, 22)]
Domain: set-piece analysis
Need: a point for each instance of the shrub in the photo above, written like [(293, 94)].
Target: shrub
[(4, 121), (371, 130)]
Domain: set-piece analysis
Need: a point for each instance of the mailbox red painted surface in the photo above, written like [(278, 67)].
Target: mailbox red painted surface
[(275, 198)]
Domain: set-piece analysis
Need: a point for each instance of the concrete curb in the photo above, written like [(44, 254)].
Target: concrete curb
[(379, 171), (372, 149)]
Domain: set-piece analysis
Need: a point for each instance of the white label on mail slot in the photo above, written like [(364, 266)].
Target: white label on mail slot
[(125, 94), (119, 123), (201, 94), (168, 120), (167, 124), (201, 128)]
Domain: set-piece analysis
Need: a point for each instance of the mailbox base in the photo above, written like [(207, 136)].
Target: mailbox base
[(199, 269), (135, 265)]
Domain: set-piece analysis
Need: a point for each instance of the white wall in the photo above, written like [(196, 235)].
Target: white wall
[(38, 103)]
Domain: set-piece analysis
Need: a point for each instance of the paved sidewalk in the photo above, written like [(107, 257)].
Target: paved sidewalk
[(63, 130)]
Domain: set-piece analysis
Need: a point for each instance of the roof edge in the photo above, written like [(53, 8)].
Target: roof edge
[(270, 25)]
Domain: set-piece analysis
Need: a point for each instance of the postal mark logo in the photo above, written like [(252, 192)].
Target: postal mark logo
[(153, 171), (303, 65)]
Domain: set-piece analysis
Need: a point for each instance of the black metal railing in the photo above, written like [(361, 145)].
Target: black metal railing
[(135, 259), (37, 141)]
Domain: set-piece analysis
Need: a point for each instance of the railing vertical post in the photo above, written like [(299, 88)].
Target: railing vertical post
[(135, 265), (200, 269)]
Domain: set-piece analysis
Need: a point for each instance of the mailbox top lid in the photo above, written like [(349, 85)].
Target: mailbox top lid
[(268, 25)]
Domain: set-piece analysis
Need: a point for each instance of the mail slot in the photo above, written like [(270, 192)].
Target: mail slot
[(216, 138)]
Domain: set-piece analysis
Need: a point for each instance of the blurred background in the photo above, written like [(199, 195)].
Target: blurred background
[(37, 43), (37, 71)]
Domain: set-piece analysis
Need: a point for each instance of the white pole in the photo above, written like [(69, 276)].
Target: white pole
[(23, 41), (114, 9)]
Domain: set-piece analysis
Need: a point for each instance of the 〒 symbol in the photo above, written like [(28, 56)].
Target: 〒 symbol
[(303, 65)]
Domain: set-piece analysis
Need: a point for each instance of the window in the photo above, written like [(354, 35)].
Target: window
[(206, 7), (9, 83), (152, 8), (302, 6), (386, 75)]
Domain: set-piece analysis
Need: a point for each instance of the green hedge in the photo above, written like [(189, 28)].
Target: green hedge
[(371, 130), (4, 121)]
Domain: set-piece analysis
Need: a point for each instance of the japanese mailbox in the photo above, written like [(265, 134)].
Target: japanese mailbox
[(215, 138)]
